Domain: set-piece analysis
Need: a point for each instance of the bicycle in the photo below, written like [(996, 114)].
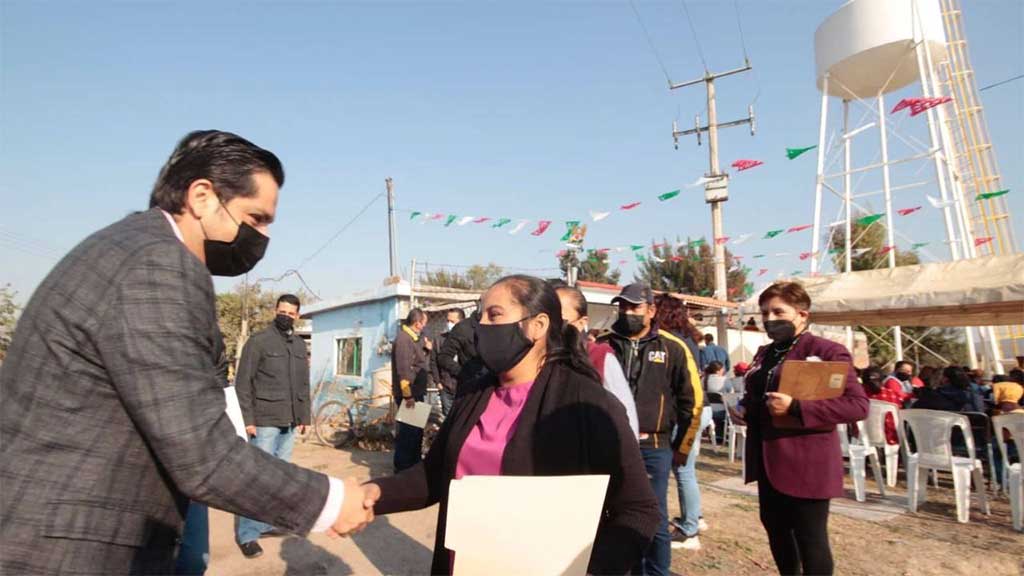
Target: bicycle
[(356, 421)]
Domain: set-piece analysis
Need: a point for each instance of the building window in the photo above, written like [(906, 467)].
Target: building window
[(350, 357)]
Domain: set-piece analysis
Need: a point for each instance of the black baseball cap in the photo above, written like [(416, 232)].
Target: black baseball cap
[(636, 293)]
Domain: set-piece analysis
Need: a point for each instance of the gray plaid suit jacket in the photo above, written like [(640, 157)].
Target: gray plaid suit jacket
[(112, 415)]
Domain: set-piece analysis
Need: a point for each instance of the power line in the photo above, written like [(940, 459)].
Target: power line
[(693, 30), (739, 25), (340, 231), (1000, 83), (650, 42)]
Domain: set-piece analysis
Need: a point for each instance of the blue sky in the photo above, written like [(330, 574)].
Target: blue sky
[(522, 110)]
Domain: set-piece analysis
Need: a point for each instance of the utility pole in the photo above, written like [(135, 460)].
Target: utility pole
[(392, 232), (716, 189)]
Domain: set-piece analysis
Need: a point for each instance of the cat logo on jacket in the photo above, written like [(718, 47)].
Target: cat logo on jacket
[(656, 356)]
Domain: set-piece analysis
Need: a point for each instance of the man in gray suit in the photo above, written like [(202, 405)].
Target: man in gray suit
[(113, 416)]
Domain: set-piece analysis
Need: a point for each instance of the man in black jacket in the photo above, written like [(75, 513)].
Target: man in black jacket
[(446, 378), (273, 392), (409, 380), (663, 377), (458, 354)]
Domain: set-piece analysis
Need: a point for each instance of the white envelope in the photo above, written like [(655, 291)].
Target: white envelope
[(234, 411), (416, 416), (512, 525)]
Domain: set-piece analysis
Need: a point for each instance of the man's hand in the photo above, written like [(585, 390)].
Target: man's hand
[(427, 343), (251, 431), (354, 515), (778, 403), (410, 403), (371, 493), (679, 459)]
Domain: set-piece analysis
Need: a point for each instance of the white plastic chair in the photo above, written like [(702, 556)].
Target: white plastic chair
[(1014, 423), (875, 425), (857, 452), (932, 430), (734, 430)]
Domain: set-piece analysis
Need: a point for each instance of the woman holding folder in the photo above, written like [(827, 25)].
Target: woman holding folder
[(792, 447), (541, 411)]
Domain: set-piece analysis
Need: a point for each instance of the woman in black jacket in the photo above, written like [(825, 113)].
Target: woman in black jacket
[(566, 424)]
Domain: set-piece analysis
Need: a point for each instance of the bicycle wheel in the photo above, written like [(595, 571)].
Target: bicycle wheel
[(333, 424)]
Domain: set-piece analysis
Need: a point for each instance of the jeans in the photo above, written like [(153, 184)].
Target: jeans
[(408, 446), (658, 557), (194, 552), (277, 442), (447, 399), (686, 481)]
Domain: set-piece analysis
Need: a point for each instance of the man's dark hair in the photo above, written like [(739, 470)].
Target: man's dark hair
[(459, 311), (415, 315), (288, 299), (904, 363), (226, 159), (708, 338)]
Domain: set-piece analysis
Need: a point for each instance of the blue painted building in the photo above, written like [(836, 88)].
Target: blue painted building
[(351, 336)]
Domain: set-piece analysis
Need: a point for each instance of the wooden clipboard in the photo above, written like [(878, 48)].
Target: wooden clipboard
[(805, 380)]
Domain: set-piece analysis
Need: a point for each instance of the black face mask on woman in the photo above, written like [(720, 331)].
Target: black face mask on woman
[(780, 330), (502, 346)]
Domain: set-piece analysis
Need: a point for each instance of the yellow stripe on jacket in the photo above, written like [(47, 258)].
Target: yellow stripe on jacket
[(698, 393)]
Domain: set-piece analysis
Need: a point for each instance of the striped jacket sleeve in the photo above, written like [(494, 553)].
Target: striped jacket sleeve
[(689, 395)]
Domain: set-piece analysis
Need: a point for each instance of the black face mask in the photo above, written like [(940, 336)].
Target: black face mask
[(284, 323), (780, 330), (238, 256), (902, 377), (501, 346), (629, 324)]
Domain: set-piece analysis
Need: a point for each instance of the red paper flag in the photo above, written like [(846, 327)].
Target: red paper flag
[(436, 217), (762, 271), (743, 164), (885, 250), (659, 245), (980, 241), (677, 258), (800, 228), (907, 211), (621, 262), (542, 227), (805, 255), (721, 240), (737, 257), (630, 206), (918, 105), (481, 220), (603, 250), (561, 253)]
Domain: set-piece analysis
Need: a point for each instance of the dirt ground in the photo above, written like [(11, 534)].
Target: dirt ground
[(929, 542)]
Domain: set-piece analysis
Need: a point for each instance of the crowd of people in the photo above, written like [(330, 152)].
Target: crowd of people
[(118, 429)]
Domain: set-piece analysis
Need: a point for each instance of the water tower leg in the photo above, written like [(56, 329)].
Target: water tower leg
[(897, 333), (820, 176)]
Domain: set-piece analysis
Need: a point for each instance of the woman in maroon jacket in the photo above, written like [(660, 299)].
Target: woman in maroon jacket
[(797, 469)]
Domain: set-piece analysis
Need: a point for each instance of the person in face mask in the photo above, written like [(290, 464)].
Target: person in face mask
[(540, 411), (662, 374), (446, 373), (797, 470), (902, 378), (272, 385), (118, 353)]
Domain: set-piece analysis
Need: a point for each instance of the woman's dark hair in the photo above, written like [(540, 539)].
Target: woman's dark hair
[(792, 293), (226, 159), (872, 378), (564, 342), (671, 315), (579, 301), (957, 377), (712, 368), (1017, 375), (415, 315)]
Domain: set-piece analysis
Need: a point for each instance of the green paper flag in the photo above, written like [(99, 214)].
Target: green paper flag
[(917, 245), (501, 222), (995, 194), (449, 221), (794, 152), (414, 215), (835, 250), (571, 225), (668, 195), (640, 258), (636, 247), (870, 219), (748, 289), (773, 233), (698, 242), (705, 293), (758, 256), (796, 273)]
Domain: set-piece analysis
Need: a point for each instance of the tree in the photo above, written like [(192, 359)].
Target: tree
[(594, 268), (690, 268), (8, 318), (476, 277), (946, 342)]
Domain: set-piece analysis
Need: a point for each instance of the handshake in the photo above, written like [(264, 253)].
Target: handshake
[(356, 509)]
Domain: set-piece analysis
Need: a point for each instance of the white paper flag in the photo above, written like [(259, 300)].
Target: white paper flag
[(598, 216), (522, 224)]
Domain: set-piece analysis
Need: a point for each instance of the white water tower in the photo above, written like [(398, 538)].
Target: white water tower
[(864, 51)]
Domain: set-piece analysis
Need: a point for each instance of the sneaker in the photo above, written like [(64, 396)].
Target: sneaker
[(251, 549), (702, 526), (684, 542)]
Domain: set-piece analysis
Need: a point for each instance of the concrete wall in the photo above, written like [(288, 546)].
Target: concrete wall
[(374, 322)]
